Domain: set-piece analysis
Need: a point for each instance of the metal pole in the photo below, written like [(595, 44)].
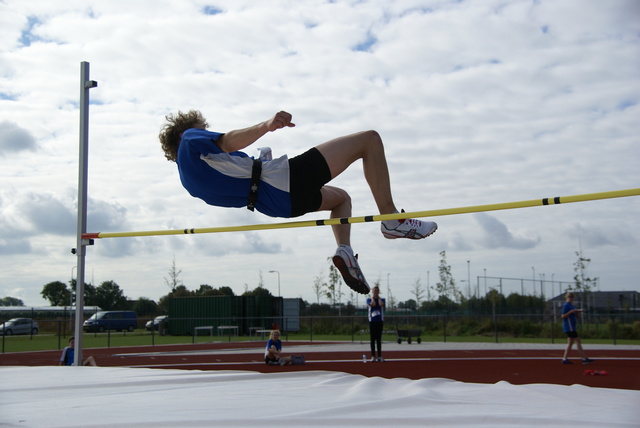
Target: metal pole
[(469, 277), (485, 282), (533, 278), (275, 271), (85, 85)]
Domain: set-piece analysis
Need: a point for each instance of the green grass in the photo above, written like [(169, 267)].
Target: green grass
[(48, 342)]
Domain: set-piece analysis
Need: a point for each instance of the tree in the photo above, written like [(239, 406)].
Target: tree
[(417, 292), (205, 290), (258, 291), (11, 301), (226, 291), (260, 280), (446, 287), (145, 307), (109, 296), (182, 291), (56, 293), (179, 291), (173, 281), (318, 286), (392, 300), (583, 283), (89, 293), (334, 287), (409, 305)]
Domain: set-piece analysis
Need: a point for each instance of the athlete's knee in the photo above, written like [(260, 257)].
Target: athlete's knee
[(345, 199), (373, 136), (335, 197), (339, 194), (373, 142)]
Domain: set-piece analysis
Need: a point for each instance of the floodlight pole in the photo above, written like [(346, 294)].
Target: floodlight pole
[(85, 86)]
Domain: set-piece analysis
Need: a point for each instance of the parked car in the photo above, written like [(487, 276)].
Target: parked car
[(155, 323), (111, 320), (19, 326)]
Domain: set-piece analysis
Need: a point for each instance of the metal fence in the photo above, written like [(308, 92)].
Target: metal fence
[(442, 327)]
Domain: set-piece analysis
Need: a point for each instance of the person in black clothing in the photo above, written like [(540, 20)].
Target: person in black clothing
[(376, 323)]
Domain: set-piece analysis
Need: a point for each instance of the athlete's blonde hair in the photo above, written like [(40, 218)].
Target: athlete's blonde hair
[(273, 332)]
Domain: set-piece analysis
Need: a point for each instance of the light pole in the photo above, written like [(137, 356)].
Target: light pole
[(534, 280), (389, 295), (388, 283), (485, 282), (275, 271), (469, 277), (72, 287)]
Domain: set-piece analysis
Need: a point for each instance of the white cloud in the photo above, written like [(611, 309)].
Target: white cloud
[(497, 235), (14, 139)]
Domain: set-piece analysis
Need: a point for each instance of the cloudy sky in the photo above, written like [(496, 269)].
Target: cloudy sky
[(478, 102)]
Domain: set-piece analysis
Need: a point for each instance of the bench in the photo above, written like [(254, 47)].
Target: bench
[(258, 330), (206, 327), (229, 328), (263, 332), (254, 330)]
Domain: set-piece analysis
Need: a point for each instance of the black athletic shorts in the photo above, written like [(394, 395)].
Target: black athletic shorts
[(308, 173), (572, 334)]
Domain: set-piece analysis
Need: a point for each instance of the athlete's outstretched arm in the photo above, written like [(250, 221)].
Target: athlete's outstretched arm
[(240, 138)]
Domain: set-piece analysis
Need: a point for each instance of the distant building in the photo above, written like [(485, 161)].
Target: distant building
[(601, 301)]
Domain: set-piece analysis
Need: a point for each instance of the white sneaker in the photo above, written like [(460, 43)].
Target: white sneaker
[(409, 228), (380, 359), (348, 266)]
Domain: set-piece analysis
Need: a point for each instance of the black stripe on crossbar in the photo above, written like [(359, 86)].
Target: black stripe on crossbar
[(345, 220), (556, 201), (189, 231)]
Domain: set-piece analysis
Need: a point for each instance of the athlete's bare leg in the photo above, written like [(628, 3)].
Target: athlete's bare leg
[(338, 202), (343, 151), (339, 154)]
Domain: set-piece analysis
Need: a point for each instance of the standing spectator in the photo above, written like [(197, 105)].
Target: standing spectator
[(376, 323), (68, 354), (570, 316)]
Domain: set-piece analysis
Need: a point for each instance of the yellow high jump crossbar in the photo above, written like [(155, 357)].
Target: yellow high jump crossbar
[(371, 218)]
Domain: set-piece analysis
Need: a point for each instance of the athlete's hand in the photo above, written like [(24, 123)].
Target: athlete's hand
[(281, 119)]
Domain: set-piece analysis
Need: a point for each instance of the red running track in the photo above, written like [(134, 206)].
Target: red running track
[(515, 366)]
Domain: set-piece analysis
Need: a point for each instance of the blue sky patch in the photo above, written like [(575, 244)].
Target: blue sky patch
[(27, 37), (366, 45), (211, 10), (5, 96)]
